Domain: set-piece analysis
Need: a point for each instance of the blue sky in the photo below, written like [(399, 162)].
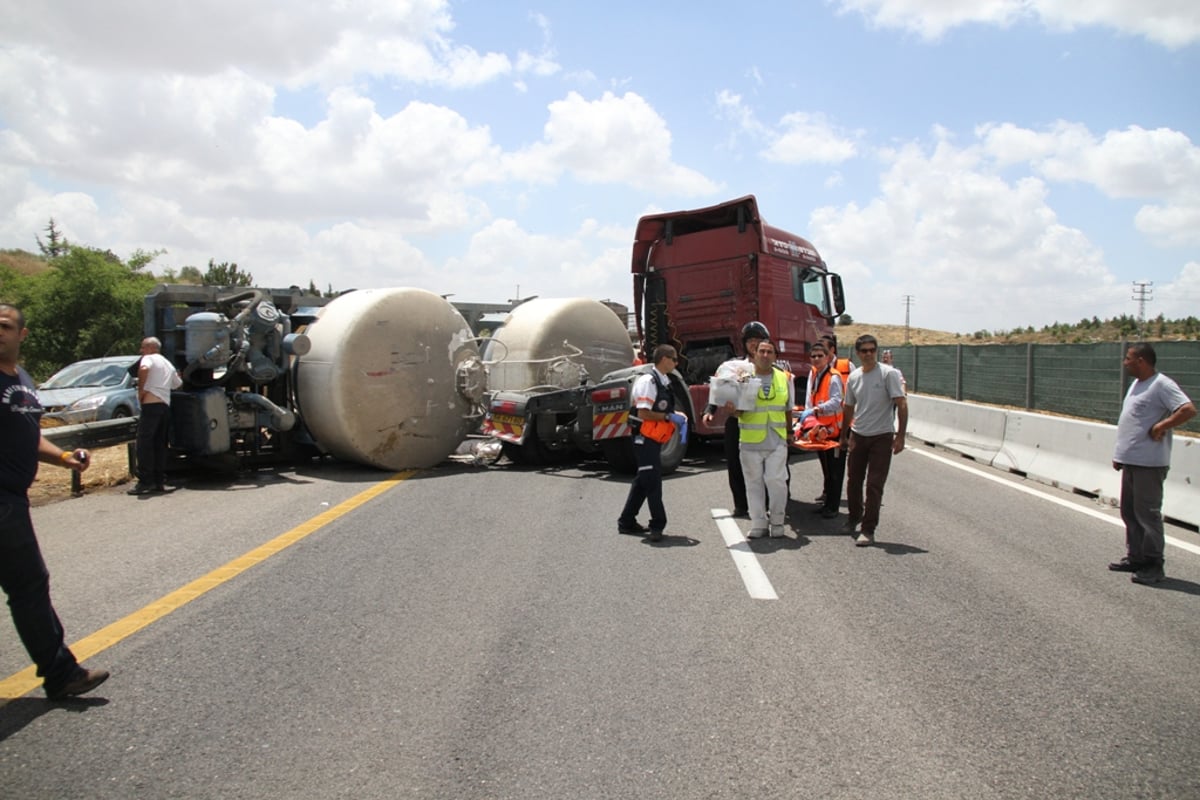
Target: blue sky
[(1008, 163)]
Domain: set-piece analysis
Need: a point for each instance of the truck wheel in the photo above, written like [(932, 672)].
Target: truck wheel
[(619, 454), (672, 454), (515, 452), (534, 452)]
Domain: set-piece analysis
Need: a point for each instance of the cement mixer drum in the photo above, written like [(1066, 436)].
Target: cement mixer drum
[(382, 382)]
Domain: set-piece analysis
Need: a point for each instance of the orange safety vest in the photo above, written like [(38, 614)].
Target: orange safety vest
[(820, 432), (821, 395), (844, 367)]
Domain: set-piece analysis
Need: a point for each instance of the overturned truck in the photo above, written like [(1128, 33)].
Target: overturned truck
[(391, 378)]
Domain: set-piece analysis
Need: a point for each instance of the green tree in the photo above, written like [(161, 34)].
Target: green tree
[(88, 304), (56, 244), (845, 319), (226, 274), (191, 275), (141, 258)]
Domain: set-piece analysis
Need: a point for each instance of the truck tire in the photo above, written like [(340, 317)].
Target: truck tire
[(619, 454), (534, 452)]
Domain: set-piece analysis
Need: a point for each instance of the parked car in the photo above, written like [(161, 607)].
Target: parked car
[(90, 390)]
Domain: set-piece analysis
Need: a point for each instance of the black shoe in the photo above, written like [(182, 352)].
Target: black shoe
[(829, 513), (654, 536), (82, 682), (1149, 575), (1127, 564), (140, 489), (741, 513), (632, 529), (817, 510)]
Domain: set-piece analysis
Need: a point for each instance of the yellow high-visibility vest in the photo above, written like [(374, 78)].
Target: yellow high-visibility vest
[(770, 412)]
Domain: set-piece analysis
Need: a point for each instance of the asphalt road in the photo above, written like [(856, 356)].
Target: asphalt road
[(475, 632)]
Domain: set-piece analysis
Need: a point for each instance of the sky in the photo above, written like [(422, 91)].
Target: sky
[(983, 165)]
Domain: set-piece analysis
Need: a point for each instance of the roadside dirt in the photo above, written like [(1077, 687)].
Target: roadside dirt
[(109, 467)]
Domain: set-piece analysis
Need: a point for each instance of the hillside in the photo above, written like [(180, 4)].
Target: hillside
[(1108, 331), (22, 263)]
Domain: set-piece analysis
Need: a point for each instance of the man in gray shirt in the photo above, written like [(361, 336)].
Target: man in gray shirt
[(1153, 405), (872, 392)]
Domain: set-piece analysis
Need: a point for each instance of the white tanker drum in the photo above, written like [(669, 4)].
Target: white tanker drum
[(393, 378), (548, 344)]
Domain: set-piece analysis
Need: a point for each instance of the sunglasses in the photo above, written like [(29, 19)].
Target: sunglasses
[(867, 350)]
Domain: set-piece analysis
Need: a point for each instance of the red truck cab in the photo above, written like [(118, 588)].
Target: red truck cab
[(699, 276)]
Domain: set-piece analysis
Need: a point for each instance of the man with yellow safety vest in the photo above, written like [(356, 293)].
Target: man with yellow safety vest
[(763, 445), (823, 402), (753, 332)]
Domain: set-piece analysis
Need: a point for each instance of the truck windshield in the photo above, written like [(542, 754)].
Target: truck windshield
[(808, 286)]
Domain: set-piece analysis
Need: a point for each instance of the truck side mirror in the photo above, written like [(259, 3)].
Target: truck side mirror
[(839, 296)]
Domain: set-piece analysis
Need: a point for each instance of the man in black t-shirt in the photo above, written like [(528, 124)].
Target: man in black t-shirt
[(23, 573)]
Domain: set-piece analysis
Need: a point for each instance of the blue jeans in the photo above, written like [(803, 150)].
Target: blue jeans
[(647, 486), (26, 581)]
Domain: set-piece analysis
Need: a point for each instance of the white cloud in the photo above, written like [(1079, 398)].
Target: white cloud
[(977, 250), (798, 138), (808, 138), (618, 140), (1160, 164), (593, 262), (1181, 297), (1171, 23), (271, 40)]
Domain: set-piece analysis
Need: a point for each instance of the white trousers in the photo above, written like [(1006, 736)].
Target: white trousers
[(766, 477)]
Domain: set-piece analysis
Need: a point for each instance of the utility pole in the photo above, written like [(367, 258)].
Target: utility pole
[(908, 301), (1143, 292)]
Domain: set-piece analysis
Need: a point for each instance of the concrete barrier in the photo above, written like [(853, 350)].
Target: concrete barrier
[(1181, 494), (1067, 453), (976, 431)]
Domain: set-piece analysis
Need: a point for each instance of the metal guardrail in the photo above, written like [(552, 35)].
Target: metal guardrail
[(90, 435)]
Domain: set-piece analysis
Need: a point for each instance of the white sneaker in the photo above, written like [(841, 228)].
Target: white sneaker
[(756, 533), (776, 531), (864, 539)]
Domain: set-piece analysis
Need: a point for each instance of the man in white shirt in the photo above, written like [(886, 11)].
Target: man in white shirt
[(156, 378), (653, 408)]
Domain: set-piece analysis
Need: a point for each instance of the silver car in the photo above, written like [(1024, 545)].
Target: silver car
[(95, 389)]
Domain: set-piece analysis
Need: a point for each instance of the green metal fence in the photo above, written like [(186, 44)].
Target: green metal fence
[(1080, 380)]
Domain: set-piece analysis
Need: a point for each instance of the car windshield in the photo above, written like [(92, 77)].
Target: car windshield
[(82, 375)]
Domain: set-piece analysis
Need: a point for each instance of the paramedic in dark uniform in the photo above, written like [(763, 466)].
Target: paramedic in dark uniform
[(653, 404), (23, 573)]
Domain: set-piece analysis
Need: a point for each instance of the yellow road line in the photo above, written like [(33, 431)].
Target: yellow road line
[(26, 680)]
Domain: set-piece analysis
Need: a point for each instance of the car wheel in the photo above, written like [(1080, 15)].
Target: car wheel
[(122, 413)]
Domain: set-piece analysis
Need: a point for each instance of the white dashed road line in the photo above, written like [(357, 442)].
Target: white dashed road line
[(744, 559)]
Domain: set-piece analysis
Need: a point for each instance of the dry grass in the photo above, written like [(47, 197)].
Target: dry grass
[(109, 467), (23, 263), (895, 335)]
